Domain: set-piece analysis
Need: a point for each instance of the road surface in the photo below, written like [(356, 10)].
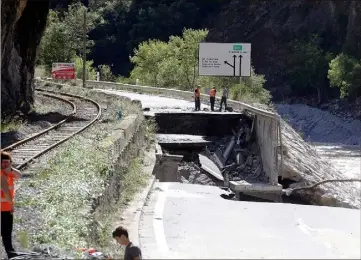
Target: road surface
[(156, 103), (188, 221)]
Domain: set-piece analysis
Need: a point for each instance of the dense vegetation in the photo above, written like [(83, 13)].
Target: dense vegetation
[(156, 42)]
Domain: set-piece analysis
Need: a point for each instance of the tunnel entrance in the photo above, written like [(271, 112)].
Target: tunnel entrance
[(211, 149)]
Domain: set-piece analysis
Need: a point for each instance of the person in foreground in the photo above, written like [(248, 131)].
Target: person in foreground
[(8, 175), (120, 234)]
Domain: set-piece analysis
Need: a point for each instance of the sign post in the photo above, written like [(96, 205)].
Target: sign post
[(225, 59), (84, 47), (63, 71)]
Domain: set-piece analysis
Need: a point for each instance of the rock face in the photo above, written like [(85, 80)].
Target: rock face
[(22, 26)]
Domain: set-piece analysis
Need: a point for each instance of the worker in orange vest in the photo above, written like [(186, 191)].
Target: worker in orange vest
[(197, 98), (8, 175), (212, 97)]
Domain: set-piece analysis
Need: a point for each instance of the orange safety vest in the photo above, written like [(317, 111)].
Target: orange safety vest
[(212, 92), (5, 206), (198, 92)]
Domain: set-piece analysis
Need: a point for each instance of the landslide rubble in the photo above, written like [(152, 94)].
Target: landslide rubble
[(238, 156), (190, 172)]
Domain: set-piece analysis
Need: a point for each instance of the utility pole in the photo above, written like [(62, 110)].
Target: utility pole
[(84, 46)]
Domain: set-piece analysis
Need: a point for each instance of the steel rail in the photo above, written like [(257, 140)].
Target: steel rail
[(25, 140), (57, 126)]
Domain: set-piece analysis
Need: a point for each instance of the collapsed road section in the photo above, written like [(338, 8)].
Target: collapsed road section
[(286, 157), (212, 148)]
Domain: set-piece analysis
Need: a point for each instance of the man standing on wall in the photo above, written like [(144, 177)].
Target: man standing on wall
[(8, 175), (197, 98), (212, 97), (224, 99)]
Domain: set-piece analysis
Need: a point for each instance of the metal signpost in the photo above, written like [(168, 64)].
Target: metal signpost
[(225, 59)]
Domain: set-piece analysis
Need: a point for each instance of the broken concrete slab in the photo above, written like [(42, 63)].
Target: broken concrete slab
[(244, 186), (210, 167), (181, 139)]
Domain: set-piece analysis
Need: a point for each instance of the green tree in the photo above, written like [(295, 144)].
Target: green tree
[(345, 74), (106, 73), (54, 45), (63, 37), (148, 59), (186, 52), (90, 72), (74, 22), (307, 67), (172, 64)]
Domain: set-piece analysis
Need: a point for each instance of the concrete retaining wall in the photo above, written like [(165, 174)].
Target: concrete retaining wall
[(125, 144), (266, 123)]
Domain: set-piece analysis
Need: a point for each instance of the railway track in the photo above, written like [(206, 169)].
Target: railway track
[(85, 113)]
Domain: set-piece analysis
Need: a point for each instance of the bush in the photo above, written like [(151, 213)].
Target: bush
[(106, 73), (90, 72), (345, 74)]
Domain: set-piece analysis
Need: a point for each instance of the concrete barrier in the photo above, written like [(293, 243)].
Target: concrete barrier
[(266, 122)]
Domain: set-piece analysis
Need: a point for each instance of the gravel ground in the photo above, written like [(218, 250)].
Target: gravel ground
[(190, 172), (47, 111)]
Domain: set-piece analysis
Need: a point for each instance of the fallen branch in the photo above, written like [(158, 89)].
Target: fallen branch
[(290, 190)]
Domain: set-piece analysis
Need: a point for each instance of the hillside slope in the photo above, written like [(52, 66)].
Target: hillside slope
[(271, 25)]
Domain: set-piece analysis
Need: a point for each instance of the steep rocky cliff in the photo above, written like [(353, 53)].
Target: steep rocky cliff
[(22, 25), (271, 25)]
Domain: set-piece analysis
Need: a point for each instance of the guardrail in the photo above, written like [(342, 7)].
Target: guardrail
[(266, 123)]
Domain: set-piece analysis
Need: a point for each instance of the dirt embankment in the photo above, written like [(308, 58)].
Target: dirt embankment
[(304, 164)]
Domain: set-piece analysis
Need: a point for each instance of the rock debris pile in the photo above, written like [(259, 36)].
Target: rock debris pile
[(238, 156), (190, 172)]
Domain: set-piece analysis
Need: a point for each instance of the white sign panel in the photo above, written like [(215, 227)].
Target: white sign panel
[(224, 59)]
